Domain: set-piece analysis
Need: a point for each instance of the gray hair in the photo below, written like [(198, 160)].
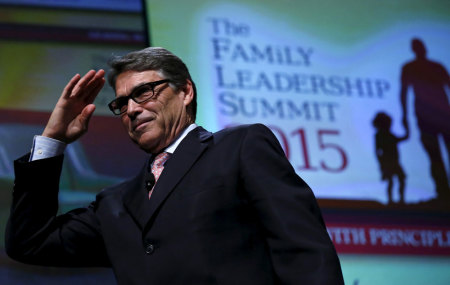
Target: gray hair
[(158, 59)]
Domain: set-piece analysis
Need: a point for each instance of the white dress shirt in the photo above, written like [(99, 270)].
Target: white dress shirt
[(44, 147)]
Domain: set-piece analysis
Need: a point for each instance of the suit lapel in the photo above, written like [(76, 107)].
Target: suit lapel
[(136, 200), (135, 197)]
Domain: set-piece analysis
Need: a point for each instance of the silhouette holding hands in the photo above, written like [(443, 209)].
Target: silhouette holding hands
[(387, 154), (429, 80)]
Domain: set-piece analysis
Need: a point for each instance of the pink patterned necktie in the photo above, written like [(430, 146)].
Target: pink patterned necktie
[(157, 167)]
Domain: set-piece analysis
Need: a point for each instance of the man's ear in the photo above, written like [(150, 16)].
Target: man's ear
[(188, 90)]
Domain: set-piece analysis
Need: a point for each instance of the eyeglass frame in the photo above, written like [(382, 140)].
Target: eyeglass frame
[(134, 94)]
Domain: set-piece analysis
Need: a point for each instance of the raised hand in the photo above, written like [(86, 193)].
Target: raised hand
[(405, 125), (70, 117)]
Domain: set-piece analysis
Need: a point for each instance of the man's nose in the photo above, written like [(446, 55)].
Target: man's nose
[(133, 108)]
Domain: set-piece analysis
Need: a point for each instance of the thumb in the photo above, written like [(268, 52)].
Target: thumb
[(86, 115)]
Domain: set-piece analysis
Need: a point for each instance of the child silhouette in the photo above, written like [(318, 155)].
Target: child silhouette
[(387, 154)]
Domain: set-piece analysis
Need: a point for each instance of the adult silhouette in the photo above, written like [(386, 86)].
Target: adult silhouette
[(428, 80)]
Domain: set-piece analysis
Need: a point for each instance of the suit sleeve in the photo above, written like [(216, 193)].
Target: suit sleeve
[(300, 248), (36, 235)]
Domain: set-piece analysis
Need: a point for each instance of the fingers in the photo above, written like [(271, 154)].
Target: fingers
[(69, 87), (78, 83), (85, 88), (95, 85), (82, 83), (86, 115), (95, 91)]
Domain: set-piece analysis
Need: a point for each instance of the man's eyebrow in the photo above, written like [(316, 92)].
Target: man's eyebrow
[(134, 89)]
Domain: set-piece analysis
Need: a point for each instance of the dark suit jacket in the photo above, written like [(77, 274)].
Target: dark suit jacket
[(227, 209)]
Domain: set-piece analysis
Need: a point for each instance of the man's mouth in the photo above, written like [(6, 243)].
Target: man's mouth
[(140, 123)]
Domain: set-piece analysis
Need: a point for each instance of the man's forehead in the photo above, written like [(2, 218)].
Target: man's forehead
[(128, 80)]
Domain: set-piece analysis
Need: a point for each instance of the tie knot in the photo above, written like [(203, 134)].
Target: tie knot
[(160, 159), (157, 167)]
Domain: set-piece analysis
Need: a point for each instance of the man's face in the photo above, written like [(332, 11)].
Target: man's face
[(155, 123)]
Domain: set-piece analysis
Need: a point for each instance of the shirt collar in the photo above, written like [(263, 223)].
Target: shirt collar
[(173, 146)]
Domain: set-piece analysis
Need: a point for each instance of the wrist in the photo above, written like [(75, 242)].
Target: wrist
[(45, 147)]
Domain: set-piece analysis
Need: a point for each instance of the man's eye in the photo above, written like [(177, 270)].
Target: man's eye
[(121, 103), (144, 91), (123, 107)]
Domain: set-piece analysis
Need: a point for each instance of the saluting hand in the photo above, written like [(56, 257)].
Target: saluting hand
[(70, 117)]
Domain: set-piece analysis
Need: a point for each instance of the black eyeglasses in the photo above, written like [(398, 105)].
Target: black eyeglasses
[(140, 94)]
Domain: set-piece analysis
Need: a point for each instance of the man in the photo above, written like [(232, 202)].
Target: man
[(227, 208), (428, 79)]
